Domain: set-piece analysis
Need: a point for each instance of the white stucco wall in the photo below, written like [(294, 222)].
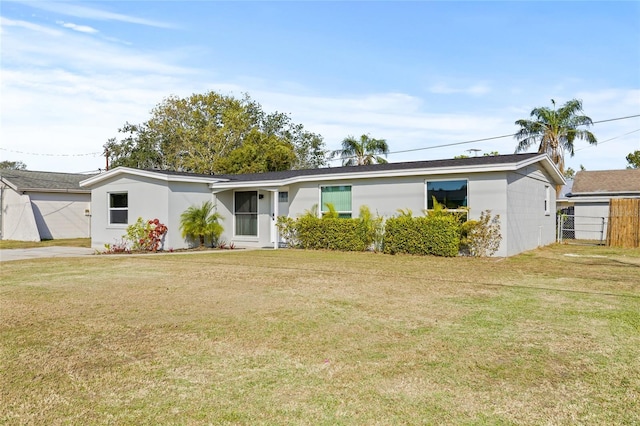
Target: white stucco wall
[(528, 224), (61, 215), (18, 221), (149, 199), (183, 195), (590, 221), (384, 196)]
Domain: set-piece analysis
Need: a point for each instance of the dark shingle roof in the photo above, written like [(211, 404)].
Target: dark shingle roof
[(431, 164), (25, 180), (607, 181)]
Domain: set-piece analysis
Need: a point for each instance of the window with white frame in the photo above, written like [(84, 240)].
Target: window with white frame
[(339, 197), (452, 194), (118, 208), (283, 197), (246, 213)]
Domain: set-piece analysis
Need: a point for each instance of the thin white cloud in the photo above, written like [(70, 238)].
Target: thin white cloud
[(6, 22), (23, 45), (82, 11), (80, 28)]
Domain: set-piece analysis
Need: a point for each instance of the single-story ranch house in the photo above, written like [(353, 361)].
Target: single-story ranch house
[(519, 187), (43, 205)]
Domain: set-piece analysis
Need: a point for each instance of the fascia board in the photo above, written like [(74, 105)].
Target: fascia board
[(548, 165), (367, 175), (59, 191), (589, 200), (9, 184), (144, 173), (603, 195)]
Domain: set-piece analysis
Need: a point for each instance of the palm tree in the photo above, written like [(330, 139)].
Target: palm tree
[(555, 130), (361, 152), (201, 222)]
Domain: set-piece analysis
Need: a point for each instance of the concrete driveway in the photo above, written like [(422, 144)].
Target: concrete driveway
[(42, 252)]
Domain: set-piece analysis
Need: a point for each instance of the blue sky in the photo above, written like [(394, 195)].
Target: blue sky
[(419, 74)]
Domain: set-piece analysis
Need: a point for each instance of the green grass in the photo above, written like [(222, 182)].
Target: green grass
[(70, 242), (295, 337)]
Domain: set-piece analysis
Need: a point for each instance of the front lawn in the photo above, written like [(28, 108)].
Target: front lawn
[(310, 337), (69, 242)]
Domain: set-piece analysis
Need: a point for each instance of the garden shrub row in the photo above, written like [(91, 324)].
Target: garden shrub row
[(428, 235), (331, 234)]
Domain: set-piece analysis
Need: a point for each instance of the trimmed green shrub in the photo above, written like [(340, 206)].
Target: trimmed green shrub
[(330, 234), (430, 235)]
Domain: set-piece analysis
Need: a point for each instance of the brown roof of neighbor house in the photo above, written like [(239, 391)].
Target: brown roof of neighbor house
[(29, 180), (607, 182)]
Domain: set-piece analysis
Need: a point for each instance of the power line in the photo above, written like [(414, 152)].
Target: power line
[(51, 155), (335, 159), (488, 139), (610, 139), (616, 119)]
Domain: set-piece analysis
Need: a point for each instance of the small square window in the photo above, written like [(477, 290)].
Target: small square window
[(283, 197), (118, 208)]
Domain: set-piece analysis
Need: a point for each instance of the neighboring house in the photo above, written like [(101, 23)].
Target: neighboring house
[(43, 205), (519, 187), (563, 202), (590, 197)]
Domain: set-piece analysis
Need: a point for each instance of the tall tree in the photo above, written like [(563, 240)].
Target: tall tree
[(363, 151), (634, 160), (13, 165), (259, 152), (555, 130), (199, 133)]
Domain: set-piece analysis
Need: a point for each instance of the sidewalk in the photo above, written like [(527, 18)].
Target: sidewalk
[(43, 252)]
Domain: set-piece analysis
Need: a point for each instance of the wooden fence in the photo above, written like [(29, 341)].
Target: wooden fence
[(624, 223)]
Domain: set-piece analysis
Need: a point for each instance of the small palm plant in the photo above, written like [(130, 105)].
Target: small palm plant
[(201, 222)]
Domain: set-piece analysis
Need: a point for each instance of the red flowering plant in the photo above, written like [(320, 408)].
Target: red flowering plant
[(146, 235)]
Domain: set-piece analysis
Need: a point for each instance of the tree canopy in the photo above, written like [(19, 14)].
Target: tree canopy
[(363, 151), (555, 130), (12, 165), (634, 160), (213, 133)]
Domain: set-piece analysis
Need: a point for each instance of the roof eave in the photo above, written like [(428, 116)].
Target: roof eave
[(148, 174), (483, 168), (57, 190)]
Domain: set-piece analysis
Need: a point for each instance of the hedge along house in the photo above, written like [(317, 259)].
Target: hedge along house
[(39, 206), (519, 187)]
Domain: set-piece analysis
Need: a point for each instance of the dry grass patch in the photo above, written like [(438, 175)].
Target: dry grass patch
[(69, 242), (294, 337)]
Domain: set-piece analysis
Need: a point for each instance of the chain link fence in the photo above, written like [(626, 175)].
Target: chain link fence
[(582, 229)]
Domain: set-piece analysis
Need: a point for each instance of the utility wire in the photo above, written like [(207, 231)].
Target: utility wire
[(491, 138), (51, 155), (610, 139), (334, 159)]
